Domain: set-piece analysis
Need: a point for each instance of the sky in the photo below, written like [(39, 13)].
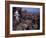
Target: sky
[(32, 10)]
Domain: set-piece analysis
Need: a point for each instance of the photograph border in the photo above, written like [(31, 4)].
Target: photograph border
[(7, 18), (25, 31)]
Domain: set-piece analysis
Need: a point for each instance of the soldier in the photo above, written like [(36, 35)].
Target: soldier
[(35, 25)]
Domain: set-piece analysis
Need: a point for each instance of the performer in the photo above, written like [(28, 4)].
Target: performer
[(17, 15)]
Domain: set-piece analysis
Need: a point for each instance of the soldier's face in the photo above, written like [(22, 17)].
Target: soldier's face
[(35, 17)]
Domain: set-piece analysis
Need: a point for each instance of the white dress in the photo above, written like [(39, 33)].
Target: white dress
[(17, 15)]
